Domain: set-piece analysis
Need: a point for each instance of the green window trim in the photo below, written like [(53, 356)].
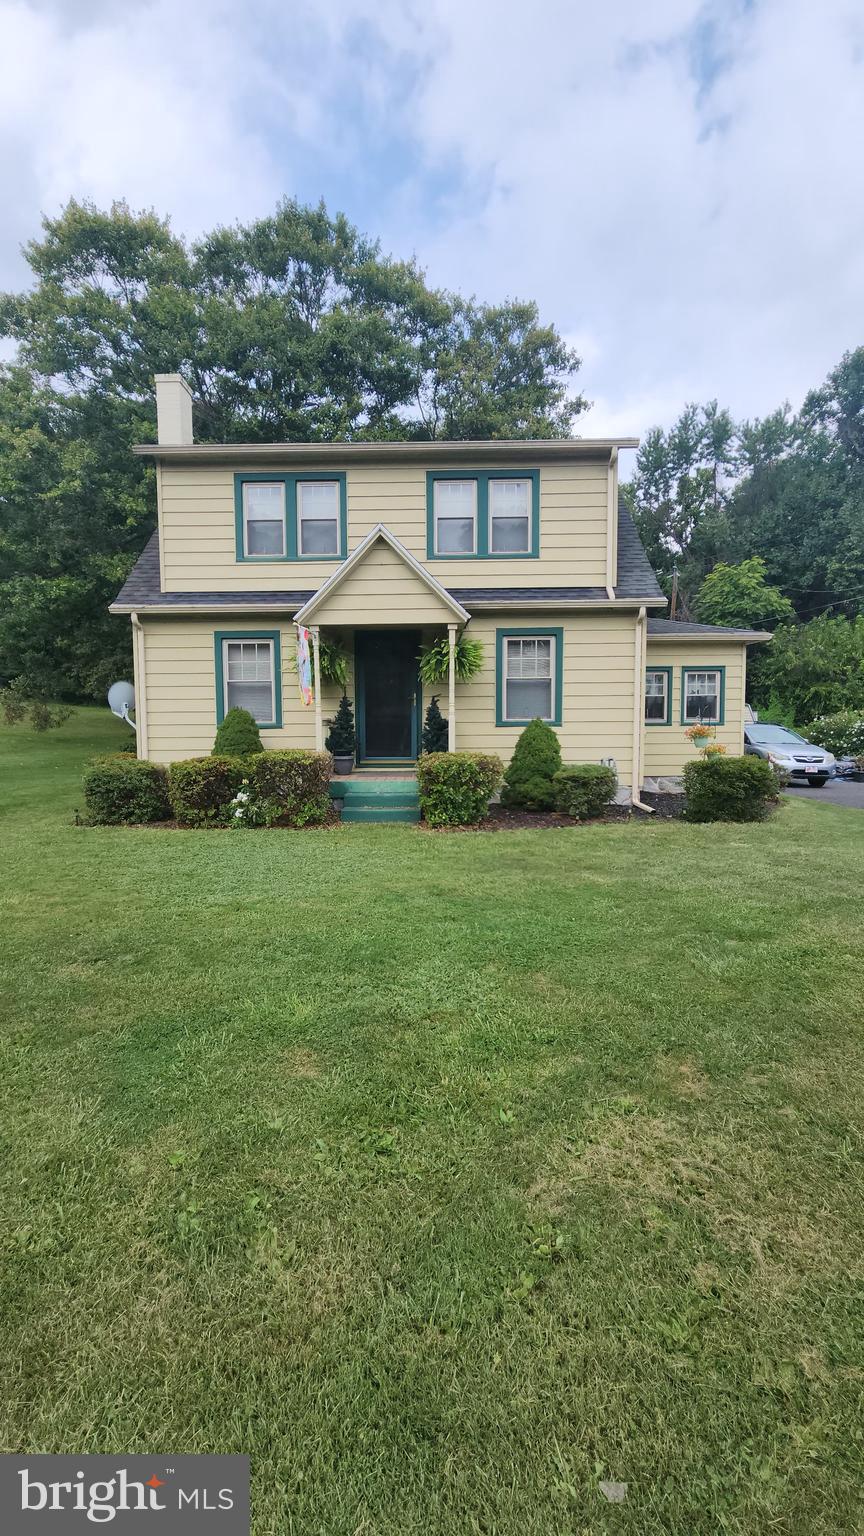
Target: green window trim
[(292, 542), (275, 636), (483, 530), (501, 636), (703, 667), (669, 673)]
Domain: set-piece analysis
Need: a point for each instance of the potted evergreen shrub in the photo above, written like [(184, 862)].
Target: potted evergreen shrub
[(435, 728), (342, 739)]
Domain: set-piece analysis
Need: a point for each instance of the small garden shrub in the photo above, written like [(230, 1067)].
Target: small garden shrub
[(341, 739), (201, 789), (119, 789), (730, 789), (529, 774), (584, 789), (237, 735), (456, 787), (294, 783), (435, 729), (841, 733)]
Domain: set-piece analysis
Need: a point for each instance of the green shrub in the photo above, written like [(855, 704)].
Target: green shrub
[(295, 783), (841, 733), (201, 789), (435, 729), (237, 735), (120, 789), (729, 788), (456, 787), (342, 738), (529, 774), (584, 789)]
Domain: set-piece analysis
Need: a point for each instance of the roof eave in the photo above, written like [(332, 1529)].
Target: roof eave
[(474, 449)]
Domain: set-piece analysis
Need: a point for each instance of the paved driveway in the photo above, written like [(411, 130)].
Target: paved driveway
[(835, 792)]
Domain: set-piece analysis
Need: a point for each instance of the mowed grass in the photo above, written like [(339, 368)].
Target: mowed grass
[(445, 1175)]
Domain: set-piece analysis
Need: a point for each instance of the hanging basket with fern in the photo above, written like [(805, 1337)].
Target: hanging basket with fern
[(434, 661)]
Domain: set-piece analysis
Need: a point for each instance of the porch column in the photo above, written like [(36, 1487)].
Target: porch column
[(451, 689), (319, 723)]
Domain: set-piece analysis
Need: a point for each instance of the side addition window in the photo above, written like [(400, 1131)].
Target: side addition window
[(702, 697), (657, 699)]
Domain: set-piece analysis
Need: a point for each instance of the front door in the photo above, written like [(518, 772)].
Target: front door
[(387, 692)]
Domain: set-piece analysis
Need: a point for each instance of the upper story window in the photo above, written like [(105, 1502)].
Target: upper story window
[(702, 699), (291, 517), (490, 515), (658, 696)]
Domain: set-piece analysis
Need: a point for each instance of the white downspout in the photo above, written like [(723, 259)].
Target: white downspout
[(451, 687), (139, 674), (611, 515), (639, 711)]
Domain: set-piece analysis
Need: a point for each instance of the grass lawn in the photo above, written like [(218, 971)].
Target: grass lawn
[(446, 1175)]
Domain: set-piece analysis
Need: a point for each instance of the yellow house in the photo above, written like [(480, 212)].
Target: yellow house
[(385, 547)]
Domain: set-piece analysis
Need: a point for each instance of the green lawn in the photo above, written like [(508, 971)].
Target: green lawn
[(446, 1175)]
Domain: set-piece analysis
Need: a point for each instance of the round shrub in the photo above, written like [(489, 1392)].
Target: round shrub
[(201, 789), (529, 774), (841, 733), (584, 789), (729, 789), (237, 735), (120, 789), (296, 782), (456, 787)]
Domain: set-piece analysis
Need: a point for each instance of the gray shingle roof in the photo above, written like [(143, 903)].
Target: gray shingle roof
[(636, 580), (674, 629)]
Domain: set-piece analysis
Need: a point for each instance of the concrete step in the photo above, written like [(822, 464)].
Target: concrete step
[(372, 791), (381, 811)]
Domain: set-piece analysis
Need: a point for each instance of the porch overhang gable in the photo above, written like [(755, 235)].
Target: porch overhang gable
[(314, 610)]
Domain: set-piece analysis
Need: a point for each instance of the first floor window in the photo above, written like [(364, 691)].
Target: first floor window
[(529, 677), (509, 508), (264, 518), (657, 697), (248, 674), (318, 517), (455, 517), (702, 697)]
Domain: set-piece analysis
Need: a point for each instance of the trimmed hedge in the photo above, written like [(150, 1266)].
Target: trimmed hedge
[(237, 735), (730, 789), (456, 787), (201, 788), (530, 771), (297, 781), (119, 790), (584, 789)]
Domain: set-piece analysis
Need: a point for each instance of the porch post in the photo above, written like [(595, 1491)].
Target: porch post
[(319, 723), (451, 689)]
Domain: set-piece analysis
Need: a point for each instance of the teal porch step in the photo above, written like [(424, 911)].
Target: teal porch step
[(366, 799)]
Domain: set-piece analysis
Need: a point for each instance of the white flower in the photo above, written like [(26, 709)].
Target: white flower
[(238, 813)]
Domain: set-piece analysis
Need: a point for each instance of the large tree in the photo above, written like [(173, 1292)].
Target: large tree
[(295, 327)]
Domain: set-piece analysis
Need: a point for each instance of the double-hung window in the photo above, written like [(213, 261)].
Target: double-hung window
[(455, 511), (702, 696), (318, 517), (529, 676), (247, 668), (489, 515), (509, 517), (658, 700), (264, 519)]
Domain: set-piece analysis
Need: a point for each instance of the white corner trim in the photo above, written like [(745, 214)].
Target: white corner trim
[(379, 532)]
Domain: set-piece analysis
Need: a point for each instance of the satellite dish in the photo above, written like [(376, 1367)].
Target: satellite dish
[(121, 698)]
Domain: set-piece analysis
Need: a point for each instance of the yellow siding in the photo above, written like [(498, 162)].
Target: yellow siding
[(382, 589), (666, 747), (198, 540)]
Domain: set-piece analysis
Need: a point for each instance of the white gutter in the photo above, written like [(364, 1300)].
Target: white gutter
[(639, 710), (138, 662), (550, 604)]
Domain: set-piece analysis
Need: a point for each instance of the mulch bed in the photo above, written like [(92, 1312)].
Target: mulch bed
[(500, 819)]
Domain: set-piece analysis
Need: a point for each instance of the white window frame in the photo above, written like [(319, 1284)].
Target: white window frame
[(256, 484), (702, 672), (460, 480), (245, 640), (666, 695), (338, 554), (553, 676), (500, 554)]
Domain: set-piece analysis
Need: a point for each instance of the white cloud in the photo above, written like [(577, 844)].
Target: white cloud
[(678, 184)]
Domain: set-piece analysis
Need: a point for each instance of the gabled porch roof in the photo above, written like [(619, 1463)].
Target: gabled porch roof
[(417, 580)]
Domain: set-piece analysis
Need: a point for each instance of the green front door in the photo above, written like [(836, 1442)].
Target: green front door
[(388, 694)]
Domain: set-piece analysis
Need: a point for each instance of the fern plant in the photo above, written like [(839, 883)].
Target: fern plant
[(435, 660), (333, 661)]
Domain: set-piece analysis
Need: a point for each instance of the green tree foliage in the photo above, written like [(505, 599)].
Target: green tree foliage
[(237, 735), (740, 596), (341, 739), (815, 668), (435, 728), (293, 327), (530, 773)]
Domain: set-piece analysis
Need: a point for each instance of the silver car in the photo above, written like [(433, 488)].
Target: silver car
[(800, 759)]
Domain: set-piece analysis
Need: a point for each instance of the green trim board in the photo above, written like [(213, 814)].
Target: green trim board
[(483, 477), (292, 542), (219, 637), (704, 667), (512, 634), (669, 675)]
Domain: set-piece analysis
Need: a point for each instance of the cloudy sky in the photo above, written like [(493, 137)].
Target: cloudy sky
[(678, 184)]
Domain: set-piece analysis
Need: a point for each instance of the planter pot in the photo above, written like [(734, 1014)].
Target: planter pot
[(342, 764)]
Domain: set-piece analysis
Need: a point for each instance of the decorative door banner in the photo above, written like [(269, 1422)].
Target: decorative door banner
[(304, 665)]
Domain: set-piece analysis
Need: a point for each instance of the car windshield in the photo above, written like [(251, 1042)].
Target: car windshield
[(772, 735)]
